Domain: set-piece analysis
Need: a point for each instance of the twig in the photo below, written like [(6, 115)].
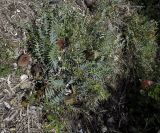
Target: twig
[(28, 119)]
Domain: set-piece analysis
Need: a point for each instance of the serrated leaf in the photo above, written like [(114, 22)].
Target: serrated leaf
[(58, 83)]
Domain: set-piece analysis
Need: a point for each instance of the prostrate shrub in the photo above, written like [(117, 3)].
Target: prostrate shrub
[(84, 51)]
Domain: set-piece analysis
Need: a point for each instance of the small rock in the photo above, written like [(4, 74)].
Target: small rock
[(24, 77), (104, 129), (110, 120), (7, 105), (12, 129), (18, 11), (25, 85), (14, 65)]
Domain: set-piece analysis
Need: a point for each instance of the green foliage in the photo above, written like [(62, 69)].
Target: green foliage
[(141, 36), (155, 93), (54, 124), (100, 46), (4, 70), (82, 65), (87, 76)]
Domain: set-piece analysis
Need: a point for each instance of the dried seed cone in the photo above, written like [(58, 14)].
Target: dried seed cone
[(23, 60)]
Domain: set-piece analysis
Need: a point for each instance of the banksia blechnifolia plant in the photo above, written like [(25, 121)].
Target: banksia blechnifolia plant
[(83, 50)]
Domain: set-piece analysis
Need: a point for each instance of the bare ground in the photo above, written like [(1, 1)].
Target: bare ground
[(14, 116)]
